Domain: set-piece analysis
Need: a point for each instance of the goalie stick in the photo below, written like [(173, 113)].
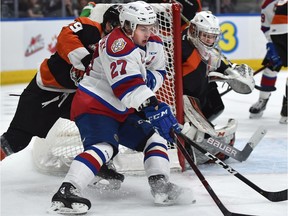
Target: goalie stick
[(234, 152), (194, 115), (208, 188), (272, 196)]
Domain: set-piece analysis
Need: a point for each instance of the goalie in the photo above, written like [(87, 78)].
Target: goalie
[(202, 66)]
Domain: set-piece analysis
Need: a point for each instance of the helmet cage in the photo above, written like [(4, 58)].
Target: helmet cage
[(204, 24)]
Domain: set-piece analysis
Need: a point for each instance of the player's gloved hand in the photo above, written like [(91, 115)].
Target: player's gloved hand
[(163, 120), (272, 56), (150, 80)]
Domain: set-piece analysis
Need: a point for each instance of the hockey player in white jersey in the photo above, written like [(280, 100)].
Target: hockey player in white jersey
[(116, 103), (274, 26)]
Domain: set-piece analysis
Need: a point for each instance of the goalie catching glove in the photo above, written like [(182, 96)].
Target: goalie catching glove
[(239, 77), (163, 120)]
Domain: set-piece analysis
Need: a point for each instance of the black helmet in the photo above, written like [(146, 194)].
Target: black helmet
[(111, 15)]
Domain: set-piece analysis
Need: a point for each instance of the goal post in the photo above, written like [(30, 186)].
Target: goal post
[(55, 153)]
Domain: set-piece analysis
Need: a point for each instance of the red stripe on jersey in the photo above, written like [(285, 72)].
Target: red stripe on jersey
[(83, 103), (127, 86), (266, 3)]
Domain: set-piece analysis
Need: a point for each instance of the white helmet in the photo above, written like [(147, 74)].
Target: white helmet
[(204, 22), (137, 13)]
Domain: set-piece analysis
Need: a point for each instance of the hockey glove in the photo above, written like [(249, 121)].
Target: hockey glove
[(272, 56), (239, 77), (163, 120), (150, 80)]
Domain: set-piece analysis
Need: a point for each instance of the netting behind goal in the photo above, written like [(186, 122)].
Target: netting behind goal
[(55, 153)]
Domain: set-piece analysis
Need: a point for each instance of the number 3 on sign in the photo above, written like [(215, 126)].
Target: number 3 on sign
[(118, 68), (229, 39)]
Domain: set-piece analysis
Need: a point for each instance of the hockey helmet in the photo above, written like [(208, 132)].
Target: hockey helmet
[(137, 13), (112, 15), (204, 32)]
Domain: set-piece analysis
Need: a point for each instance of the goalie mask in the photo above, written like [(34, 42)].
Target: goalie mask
[(204, 32), (137, 13)]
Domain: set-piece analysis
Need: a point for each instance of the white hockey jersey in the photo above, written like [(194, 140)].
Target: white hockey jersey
[(274, 23), (116, 83), (267, 14)]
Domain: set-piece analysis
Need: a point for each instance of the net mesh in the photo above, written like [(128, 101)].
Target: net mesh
[(55, 153)]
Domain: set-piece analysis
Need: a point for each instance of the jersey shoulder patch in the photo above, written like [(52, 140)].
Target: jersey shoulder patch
[(118, 44)]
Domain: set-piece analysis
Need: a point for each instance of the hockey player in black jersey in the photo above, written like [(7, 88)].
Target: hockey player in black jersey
[(49, 95), (202, 66)]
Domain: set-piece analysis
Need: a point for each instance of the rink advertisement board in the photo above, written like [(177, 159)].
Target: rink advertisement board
[(24, 44)]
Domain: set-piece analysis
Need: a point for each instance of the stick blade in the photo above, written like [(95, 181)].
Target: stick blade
[(253, 142)]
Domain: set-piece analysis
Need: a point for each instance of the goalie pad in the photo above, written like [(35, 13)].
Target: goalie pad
[(239, 77), (197, 127)]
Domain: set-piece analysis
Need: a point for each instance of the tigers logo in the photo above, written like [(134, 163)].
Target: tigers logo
[(36, 44), (76, 75), (118, 45)]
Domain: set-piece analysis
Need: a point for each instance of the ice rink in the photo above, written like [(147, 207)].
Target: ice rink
[(26, 192)]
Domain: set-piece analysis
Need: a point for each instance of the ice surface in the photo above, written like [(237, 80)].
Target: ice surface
[(26, 192)]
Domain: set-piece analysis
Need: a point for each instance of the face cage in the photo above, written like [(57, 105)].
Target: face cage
[(204, 50)]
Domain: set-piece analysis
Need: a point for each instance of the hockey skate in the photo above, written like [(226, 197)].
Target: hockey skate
[(257, 109), (167, 193), (67, 201), (5, 148), (283, 119), (107, 178)]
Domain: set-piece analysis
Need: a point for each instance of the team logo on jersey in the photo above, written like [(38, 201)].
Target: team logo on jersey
[(76, 75), (118, 45)]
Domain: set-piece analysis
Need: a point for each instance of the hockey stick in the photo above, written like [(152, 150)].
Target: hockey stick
[(209, 189), (272, 196), (255, 72), (234, 152)]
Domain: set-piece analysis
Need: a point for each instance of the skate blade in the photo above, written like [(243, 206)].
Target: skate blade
[(283, 120), (59, 208), (103, 184), (256, 115), (184, 197)]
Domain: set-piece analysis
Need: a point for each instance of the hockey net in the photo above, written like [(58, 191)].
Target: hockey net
[(54, 154)]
